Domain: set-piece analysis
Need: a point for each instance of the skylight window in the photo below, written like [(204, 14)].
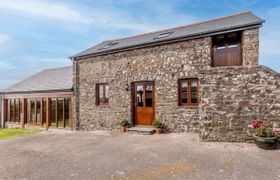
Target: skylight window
[(108, 45), (163, 35)]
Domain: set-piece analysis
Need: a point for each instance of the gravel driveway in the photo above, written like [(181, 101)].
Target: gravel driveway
[(112, 155)]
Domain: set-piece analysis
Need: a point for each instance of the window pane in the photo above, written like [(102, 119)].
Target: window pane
[(194, 86), (28, 110), (16, 114), (194, 98), (11, 110), (101, 93), (44, 111), (184, 97), (139, 95), (38, 111), (53, 112), (60, 112), (184, 91), (184, 86), (232, 44), (32, 111), (67, 112), (149, 96), (106, 93)]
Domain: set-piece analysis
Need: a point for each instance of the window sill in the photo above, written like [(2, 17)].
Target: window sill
[(189, 107), (103, 106)]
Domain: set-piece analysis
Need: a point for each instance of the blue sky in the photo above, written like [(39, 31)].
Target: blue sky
[(39, 34)]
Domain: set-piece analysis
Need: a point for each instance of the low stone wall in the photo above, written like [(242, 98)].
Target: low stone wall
[(233, 97), (13, 125), (16, 125)]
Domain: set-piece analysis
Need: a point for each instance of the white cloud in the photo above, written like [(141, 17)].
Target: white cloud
[(6, 66), (45, 9), (4, 38)]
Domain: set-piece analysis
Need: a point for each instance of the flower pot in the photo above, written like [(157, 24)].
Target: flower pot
[(267, 143), (159, 130), (124, 128)]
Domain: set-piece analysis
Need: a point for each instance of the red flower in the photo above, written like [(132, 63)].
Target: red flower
[(264, 124), (255, 124)]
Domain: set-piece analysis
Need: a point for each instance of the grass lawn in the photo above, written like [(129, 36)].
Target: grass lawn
[(10, 133)]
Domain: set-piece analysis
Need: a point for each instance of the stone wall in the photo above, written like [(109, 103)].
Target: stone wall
[(233, 97), (250, 47), (163, 64), (229, 97)]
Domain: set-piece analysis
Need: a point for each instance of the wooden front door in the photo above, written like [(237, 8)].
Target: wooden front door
[(143, 103)]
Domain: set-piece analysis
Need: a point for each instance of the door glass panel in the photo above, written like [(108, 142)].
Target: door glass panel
[(38, 111), (184, 89), (149, 96), (194, 91), (60, 112), (53, 112), (67, 112), (139, 95)]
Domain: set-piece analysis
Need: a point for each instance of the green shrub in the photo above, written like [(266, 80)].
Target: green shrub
[(124, 122), (264, 132), (157, 124)]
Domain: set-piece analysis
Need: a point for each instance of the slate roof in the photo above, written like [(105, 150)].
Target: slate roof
[(240, 20), (47, 80)]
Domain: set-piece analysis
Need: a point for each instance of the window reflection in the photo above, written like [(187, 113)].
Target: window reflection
[(149, 96), (140, 94)]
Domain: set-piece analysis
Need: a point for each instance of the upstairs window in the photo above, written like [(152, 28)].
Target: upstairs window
[(102, 94), (188, 92), (227, 50)]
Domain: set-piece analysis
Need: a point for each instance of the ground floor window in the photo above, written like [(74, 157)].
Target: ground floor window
[(56, 112), (102, 94), (14, 112), (188, 92)]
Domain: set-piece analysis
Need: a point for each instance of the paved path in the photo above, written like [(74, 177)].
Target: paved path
[(103, 155)]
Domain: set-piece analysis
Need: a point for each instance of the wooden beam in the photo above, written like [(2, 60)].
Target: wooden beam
[(14, 110), (35, 111), (23, 113), (41, 112), (56, 112), (5, 112), (48, 110), (71, 113), (63, 113), (40, 95)]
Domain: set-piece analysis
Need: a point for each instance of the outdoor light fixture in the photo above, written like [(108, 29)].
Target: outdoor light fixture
[(126, 86)]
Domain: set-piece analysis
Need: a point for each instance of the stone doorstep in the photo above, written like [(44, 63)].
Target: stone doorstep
[(141, 130)]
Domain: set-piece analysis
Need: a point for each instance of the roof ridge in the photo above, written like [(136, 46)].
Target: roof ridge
[(62, 67), (178, 27)]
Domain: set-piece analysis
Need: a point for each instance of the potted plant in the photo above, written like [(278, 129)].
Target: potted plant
[(124, 124), (158, 125), (264, 137)]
